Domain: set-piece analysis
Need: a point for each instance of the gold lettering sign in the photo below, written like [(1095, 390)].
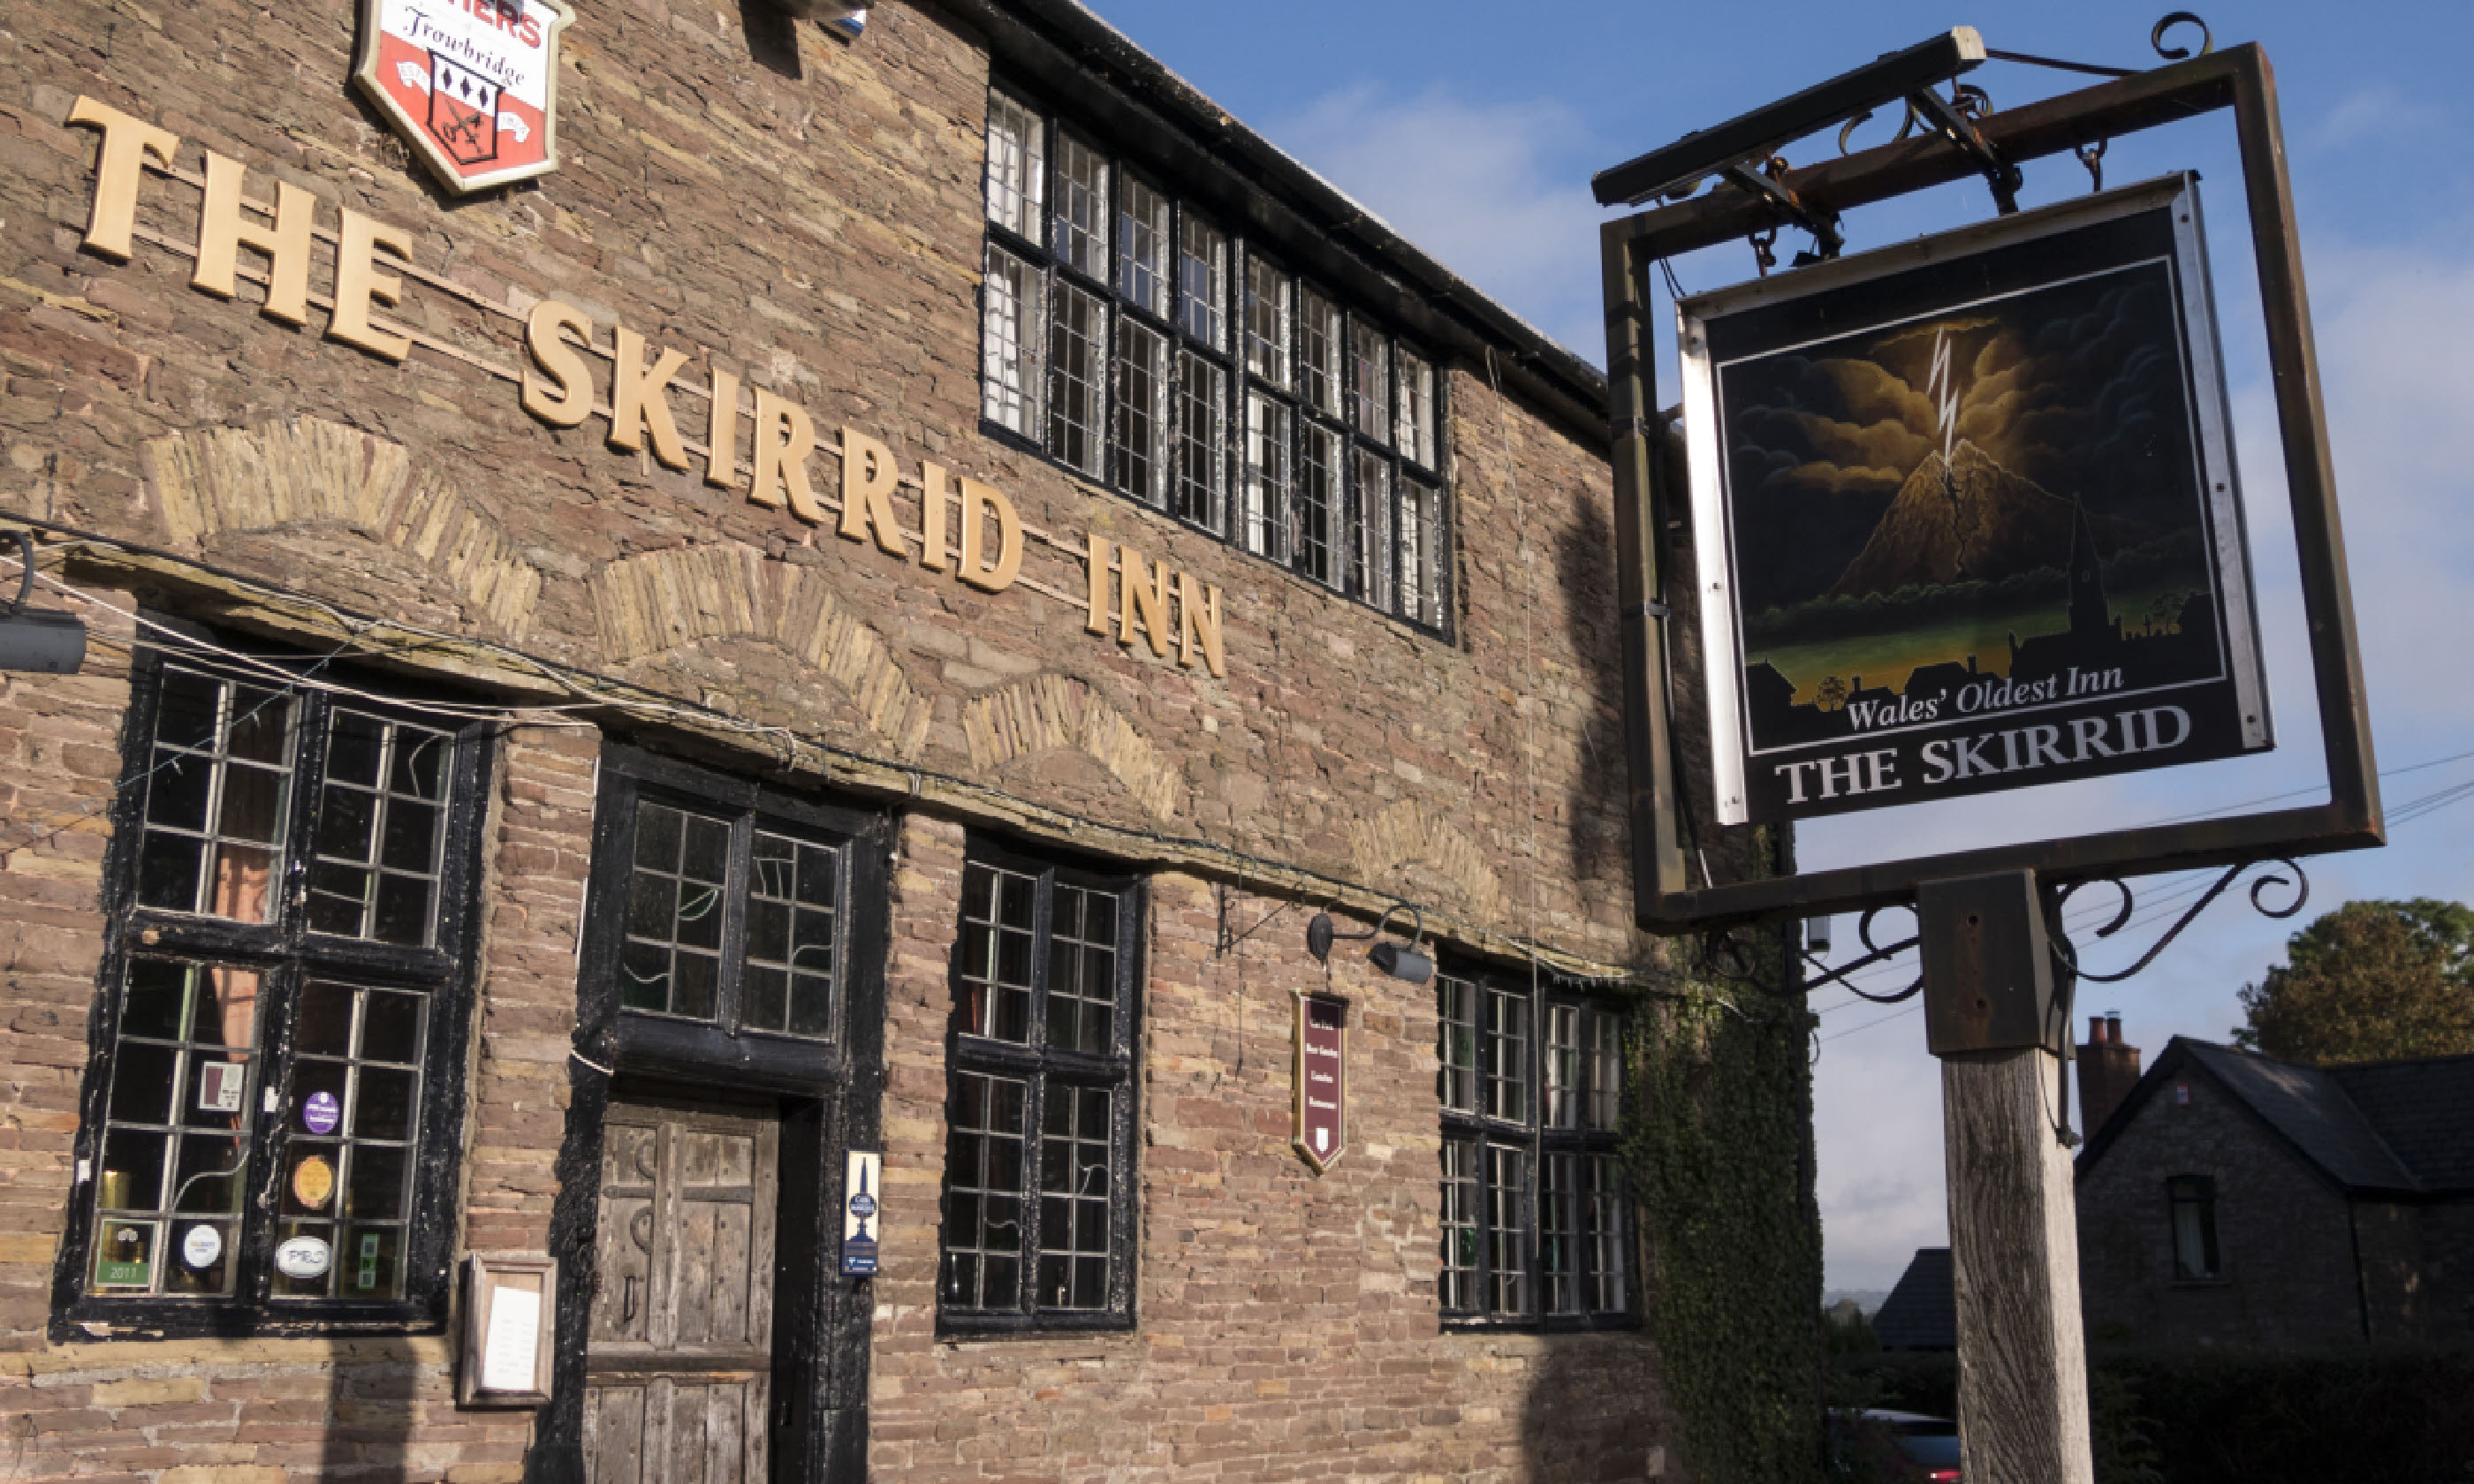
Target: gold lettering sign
[(969, 530)]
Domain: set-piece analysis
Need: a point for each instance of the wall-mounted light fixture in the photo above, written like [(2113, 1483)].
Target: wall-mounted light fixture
[(1401, 961), (842, 20), (37, 640)]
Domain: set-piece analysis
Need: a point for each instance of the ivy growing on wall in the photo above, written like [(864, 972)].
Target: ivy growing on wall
[(1718, 1144)]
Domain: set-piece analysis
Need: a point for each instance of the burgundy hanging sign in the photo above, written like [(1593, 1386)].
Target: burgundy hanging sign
[(1322, 1121)]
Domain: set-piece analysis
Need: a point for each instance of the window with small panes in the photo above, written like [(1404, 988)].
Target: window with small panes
[(271, 1114), (1141, 340), (1537, 1227), (1038, 1230), (720, 922)]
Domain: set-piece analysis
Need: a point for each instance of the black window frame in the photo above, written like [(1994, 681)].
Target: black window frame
[(1535, 1138), (657, 1043), (827, 1094), (1040, 1066), (1353, 512), (287, 955), (2197, 1192)]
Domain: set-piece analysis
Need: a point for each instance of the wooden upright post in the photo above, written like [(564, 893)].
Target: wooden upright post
[(1992, 1017)]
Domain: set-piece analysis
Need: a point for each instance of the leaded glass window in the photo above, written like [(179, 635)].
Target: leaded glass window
[(1130, 337), (1038, 1215), (302, 862), (1528, 1081)]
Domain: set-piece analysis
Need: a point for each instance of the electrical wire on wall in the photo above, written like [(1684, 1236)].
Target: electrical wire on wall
[(1529, 654), (377, 638)]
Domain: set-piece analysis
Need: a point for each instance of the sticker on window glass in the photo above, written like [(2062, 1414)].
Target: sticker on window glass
[(201, 1246), (313, 1180), (302, 1257), (321, 1112), (221, 1086), (125, 1260), (369, 1278)]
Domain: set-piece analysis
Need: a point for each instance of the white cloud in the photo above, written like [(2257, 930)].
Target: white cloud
[(2395, 331), (1478, 186), (1498, 192), (2379, 112)]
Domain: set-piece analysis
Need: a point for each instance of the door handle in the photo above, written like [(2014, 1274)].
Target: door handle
[(627, 1300)]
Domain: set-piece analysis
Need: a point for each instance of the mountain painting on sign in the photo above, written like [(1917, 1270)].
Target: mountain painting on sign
[(1977, 518)]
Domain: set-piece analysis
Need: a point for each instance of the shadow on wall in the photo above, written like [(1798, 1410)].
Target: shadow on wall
[(773, 36), (1594, 812), (1591, 1417), (371, 1403)]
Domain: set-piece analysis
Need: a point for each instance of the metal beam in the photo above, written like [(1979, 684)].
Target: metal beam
[(1755, 136), (2168, 95)]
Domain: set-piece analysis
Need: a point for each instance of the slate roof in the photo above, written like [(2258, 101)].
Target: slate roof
[(2396, 1128), (1921, 1312), (2424, 1112), (2310, 1108)]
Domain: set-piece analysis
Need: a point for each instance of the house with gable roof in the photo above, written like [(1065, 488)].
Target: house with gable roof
[(2229, 1198)]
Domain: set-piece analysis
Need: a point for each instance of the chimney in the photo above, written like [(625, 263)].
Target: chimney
[(2108, 1069)]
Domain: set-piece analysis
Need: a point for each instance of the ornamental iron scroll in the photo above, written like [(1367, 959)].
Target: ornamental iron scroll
[(2236, 79), (1726, 954)]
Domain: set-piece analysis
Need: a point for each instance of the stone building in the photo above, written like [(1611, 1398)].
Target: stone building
[(862, 613), (2232, 1199)]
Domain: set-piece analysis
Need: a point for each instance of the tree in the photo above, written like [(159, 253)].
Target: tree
[(1831, 694), (2371, 981)]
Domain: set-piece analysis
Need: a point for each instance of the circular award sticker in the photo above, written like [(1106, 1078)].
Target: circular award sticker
[(321, 1112), (313, 1181), (201, 1246), (302, 1257)]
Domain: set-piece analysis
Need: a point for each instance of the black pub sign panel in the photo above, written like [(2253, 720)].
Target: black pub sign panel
[(1967, 514)]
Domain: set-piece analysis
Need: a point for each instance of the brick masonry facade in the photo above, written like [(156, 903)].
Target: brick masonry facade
[(2305, 1260), (805, 213), (2284, 1240)]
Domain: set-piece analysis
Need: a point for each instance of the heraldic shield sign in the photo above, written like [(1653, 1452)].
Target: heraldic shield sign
[(1980, 523), (472, 84)]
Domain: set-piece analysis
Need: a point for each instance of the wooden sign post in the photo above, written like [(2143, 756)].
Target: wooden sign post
[(1993, 1017), (1803, 744)]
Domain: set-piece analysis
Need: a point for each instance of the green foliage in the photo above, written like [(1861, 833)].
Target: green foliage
[(2370, 981), (1717, 1143), (2122, 1435), (1846, 1332)]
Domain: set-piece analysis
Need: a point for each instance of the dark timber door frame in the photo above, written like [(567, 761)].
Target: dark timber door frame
[(826, 1095)]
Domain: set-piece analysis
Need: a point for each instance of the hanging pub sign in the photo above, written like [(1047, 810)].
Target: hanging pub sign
[(1319, 1129), (472, 84), (1967, 514)]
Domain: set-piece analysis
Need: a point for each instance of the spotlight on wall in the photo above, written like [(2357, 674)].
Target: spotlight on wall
[(37, 640), (1401, 961), (843, 20)]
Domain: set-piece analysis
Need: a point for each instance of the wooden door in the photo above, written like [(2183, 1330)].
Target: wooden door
[(679, 1362)]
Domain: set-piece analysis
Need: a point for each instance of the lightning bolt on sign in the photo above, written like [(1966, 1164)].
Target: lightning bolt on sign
[(471, 84)]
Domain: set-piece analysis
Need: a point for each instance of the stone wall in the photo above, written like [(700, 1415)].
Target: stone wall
[(806, 214), (811, 224), (1286, 1321), (2283, 1239)]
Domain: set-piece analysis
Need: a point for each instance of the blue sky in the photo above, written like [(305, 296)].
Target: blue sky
[(1474, 129)]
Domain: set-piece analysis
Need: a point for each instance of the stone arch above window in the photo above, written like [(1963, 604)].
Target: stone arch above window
[(306, 471), (1408, 840), (662, 600), (1049, 711)]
